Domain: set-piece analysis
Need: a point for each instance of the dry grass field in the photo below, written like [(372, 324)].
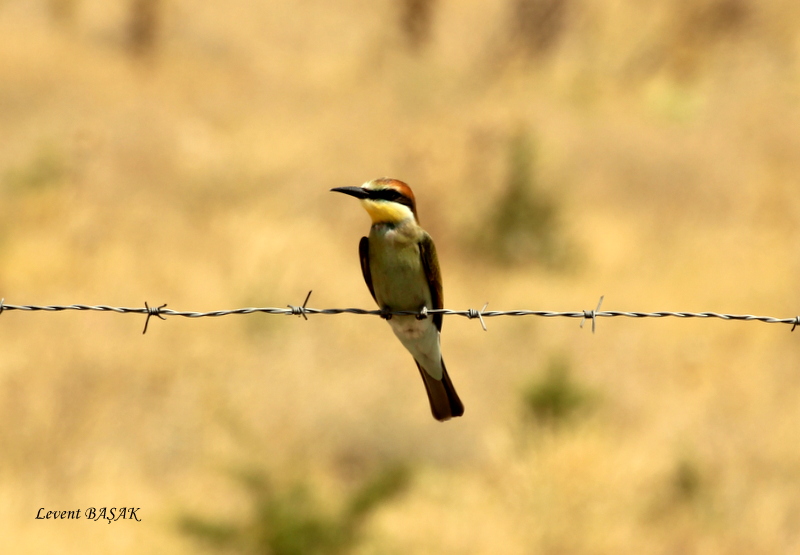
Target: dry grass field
[(181, 152)]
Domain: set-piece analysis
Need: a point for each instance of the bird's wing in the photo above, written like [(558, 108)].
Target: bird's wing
[(430, 264), (363, 255)]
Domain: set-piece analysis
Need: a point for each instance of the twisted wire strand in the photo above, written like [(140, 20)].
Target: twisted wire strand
[(162, 311)]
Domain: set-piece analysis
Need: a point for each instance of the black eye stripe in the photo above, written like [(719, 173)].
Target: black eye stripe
[(391, 195), (386, 194)]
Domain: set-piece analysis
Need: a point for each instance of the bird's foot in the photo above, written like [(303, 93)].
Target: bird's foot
[(422, 313), (386, 314)]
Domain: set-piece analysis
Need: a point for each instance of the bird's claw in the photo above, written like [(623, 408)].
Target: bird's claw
[(422, 313), (386, 314)]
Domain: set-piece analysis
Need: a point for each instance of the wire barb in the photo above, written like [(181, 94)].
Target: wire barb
[(152, 311), (592, 314), (472, 314), (794, 325), (300, 310), (3, 300)]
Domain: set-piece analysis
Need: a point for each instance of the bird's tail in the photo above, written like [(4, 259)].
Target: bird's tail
[(444, 400)]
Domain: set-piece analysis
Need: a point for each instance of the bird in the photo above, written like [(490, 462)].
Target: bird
[(401, 269)]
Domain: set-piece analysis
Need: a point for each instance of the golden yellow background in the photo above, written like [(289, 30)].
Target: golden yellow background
[(181, 152)]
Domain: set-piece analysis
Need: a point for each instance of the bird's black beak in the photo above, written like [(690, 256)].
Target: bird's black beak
[(357, 192)]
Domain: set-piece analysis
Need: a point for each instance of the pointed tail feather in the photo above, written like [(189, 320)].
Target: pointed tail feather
[(444, 400)]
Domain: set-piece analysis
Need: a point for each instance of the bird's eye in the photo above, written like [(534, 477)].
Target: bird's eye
[(389, 194)]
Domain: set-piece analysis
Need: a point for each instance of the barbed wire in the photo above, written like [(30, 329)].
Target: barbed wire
[(303, 310)]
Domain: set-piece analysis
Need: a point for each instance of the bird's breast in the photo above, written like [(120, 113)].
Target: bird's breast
[(398, 277)]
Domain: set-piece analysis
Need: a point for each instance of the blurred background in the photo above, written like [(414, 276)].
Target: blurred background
[(181, 152)]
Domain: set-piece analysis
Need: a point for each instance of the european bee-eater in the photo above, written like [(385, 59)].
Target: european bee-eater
[(399, 264)]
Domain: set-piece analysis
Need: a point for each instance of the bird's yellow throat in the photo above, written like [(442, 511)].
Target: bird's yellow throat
[(386, 212)]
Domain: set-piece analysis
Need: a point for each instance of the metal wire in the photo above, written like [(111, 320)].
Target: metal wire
[(303, 310)]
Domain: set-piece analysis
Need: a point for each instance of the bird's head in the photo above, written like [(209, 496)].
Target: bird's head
[(386, 200)]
